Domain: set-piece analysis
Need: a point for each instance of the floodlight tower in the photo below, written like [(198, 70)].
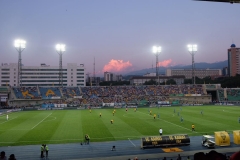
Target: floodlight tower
[(192, 48), (157, 50), (60, 48), (20, 45)]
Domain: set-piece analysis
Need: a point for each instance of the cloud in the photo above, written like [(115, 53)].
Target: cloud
[(165, 63), (116, 66)]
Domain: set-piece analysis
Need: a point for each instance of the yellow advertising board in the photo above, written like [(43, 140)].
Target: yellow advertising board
[(222, 138), (236, 137)]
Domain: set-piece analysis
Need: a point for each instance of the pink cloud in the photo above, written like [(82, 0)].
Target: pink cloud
[(165, 63), (116, 66)]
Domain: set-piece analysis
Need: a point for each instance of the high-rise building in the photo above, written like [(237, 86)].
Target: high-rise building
[(108, 76), (233, 60), (43, 75), (225, 71)]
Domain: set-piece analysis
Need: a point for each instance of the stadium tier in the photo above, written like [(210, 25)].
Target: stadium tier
[(233, 94), (50, 92), (26, 92), (71, 92), (114, 95)]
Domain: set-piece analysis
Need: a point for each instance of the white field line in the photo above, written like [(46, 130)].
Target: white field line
[(131, 142), (172, 123), (54, 118), (40, 121), (8, 120)]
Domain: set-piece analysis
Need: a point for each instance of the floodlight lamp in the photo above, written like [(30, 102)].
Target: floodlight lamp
[(157, 49), (60, 47), (192, 48), (19, 43)]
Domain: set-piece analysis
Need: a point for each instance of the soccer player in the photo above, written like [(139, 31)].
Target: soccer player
[(126, 109), (114, 110), (113, 113), (87, 139), (181, 119), (158, 115), (160, 131), (154, 116), (100, 114), (134, 109), (150, 112), (178, 113), (111, 121), (202, 113), (193, 127), (7, 117), (90, 111)]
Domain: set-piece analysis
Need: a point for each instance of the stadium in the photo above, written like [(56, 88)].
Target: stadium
[(61, 116)]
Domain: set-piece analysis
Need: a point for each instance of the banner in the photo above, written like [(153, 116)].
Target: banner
[(55, 97), (77, 96), (108, 104), (163, 102), (160, 141), (3, 99)]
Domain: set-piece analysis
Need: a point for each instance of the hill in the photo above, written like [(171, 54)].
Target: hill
[(201, 65)]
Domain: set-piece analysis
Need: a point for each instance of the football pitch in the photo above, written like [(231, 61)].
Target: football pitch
[(70, 126)]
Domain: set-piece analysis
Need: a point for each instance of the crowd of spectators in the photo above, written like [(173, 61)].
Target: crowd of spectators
[(26, 92), (212, 155), (97, 95), (49, 92), (135, 94), (4, 157), (70, 92)]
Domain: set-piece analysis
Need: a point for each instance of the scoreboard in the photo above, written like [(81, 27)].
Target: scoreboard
[(161, 141)]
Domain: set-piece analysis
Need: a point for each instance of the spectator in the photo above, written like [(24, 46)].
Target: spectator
[(235, 156), (12, 157), (3, 157), (179, 157)]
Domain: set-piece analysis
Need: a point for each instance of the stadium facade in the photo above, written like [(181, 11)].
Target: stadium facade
[(200, 73), (233, 60), (43, 75)]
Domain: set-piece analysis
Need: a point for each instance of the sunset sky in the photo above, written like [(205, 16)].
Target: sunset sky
[(118, 33)]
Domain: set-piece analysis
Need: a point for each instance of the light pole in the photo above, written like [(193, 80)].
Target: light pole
[(20, 45), (192, 48), (60, 48), (157, 50)]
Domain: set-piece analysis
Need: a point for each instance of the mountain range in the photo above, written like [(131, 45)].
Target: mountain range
[(162, 70)]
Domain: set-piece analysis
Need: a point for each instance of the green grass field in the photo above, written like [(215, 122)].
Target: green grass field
[(70, 126)]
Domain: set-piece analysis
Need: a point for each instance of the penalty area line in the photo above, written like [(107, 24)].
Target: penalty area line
[(41, 121), (172, 123)]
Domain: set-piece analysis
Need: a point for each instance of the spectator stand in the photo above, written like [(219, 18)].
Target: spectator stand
[(71, 92), (26, 92), (233, 94), (50, 92)]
